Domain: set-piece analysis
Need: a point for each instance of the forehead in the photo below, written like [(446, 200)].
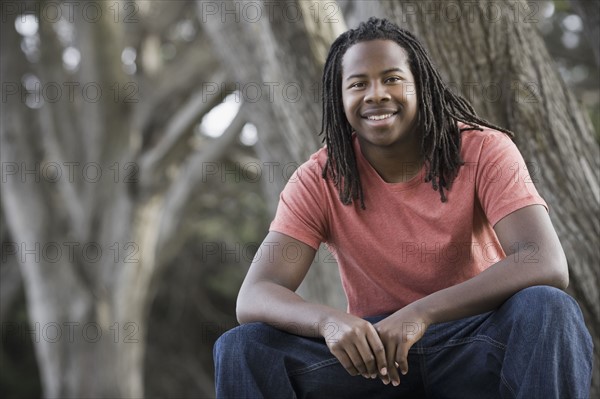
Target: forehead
[(373, 55)]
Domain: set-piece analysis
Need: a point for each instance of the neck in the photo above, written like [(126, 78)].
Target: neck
[(395, 164)]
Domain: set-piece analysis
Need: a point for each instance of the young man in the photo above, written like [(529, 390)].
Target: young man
[(451, 266)]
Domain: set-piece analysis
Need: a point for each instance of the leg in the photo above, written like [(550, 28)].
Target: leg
[(549, 349), (258, 361), (534, 346)]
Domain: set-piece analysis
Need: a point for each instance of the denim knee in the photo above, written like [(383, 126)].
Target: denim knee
[(241, 340), (535, 310), (546, 340), (237, 339), (543, 300)]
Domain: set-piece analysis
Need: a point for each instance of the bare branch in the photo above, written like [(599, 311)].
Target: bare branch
[(176, 128), (191, 175), (195, 64)]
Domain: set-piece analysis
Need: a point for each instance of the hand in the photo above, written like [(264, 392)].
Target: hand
[(356, 344), (399, 332)]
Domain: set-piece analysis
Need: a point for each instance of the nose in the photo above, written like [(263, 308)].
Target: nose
[(377, 93)]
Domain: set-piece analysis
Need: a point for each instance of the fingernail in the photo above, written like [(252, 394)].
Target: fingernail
[(373, 376), (395, 383), (404, 372), (383, 371)]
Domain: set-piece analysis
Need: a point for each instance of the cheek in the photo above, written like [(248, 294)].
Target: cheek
[(347, 104)]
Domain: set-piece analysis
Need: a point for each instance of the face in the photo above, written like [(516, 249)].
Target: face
[(379, 94)]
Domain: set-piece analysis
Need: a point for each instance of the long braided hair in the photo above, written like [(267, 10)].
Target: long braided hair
[(438, 111)]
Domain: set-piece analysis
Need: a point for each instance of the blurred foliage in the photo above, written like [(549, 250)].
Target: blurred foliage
[(195, 302), (573, 55), (20, 376)]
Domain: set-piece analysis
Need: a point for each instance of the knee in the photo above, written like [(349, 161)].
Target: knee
[(237, 341), (548, 312), (225, 343), (544, 303), (544, 297)]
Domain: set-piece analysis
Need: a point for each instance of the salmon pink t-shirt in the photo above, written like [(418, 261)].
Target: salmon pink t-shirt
[(407, 244)]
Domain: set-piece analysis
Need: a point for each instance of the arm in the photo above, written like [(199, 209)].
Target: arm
[(268, 291), (268, 295), (518, 232)]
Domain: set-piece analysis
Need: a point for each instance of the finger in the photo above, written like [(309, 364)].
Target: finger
[(385, 378), (402, 358), (357, 360), (346, 362), (367, 358), (378, 350), (391, 366)]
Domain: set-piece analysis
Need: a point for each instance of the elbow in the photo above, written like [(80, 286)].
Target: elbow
[(241, 315), (562, 278), (241, 311), (559, 275), (245, 306)]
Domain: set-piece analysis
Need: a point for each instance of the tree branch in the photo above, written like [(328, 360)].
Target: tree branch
[(182, 188), (176, 128)]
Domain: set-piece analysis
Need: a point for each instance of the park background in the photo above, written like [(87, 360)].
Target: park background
[(144, 145)]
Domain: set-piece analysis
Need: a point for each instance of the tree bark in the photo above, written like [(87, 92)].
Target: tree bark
[(70, 303), (88, 304), (286, 54), (492, 53)]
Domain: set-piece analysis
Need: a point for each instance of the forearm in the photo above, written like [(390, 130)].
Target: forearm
[(489, 289), (276, 305)]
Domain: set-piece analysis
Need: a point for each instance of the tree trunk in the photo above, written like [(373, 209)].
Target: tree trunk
[(87, 205), (66, 253), (492, 53), (284, 53)]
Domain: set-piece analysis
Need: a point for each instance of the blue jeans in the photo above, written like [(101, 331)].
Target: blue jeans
[(534, 346)]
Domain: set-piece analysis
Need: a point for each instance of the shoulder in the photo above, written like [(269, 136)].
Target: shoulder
[(319, 158), (483, 142), (307, 178), (482, 136), (313, 167)]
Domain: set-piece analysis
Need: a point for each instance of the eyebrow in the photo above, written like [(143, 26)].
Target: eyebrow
[(362, 75)]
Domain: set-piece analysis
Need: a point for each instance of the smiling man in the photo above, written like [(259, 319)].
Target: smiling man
[(380, 103), (450, 263)]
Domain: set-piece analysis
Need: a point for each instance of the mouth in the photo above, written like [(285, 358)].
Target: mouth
[(380, 117), (379, 114)]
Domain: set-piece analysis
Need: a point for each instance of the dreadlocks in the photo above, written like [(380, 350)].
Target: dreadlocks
[(438, 110)]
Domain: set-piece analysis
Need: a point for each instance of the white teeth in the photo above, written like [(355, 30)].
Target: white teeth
[(379, 117)]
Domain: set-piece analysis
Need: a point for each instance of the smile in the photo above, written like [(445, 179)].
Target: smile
[(380, 117)]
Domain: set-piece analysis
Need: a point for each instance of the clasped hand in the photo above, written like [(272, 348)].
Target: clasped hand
[(377, 350)]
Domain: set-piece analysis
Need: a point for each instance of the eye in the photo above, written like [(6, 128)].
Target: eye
[(392, 79), (357, 85)]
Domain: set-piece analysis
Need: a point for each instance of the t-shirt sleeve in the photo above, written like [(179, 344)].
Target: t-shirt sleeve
[(504, 181), (300, 212)]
